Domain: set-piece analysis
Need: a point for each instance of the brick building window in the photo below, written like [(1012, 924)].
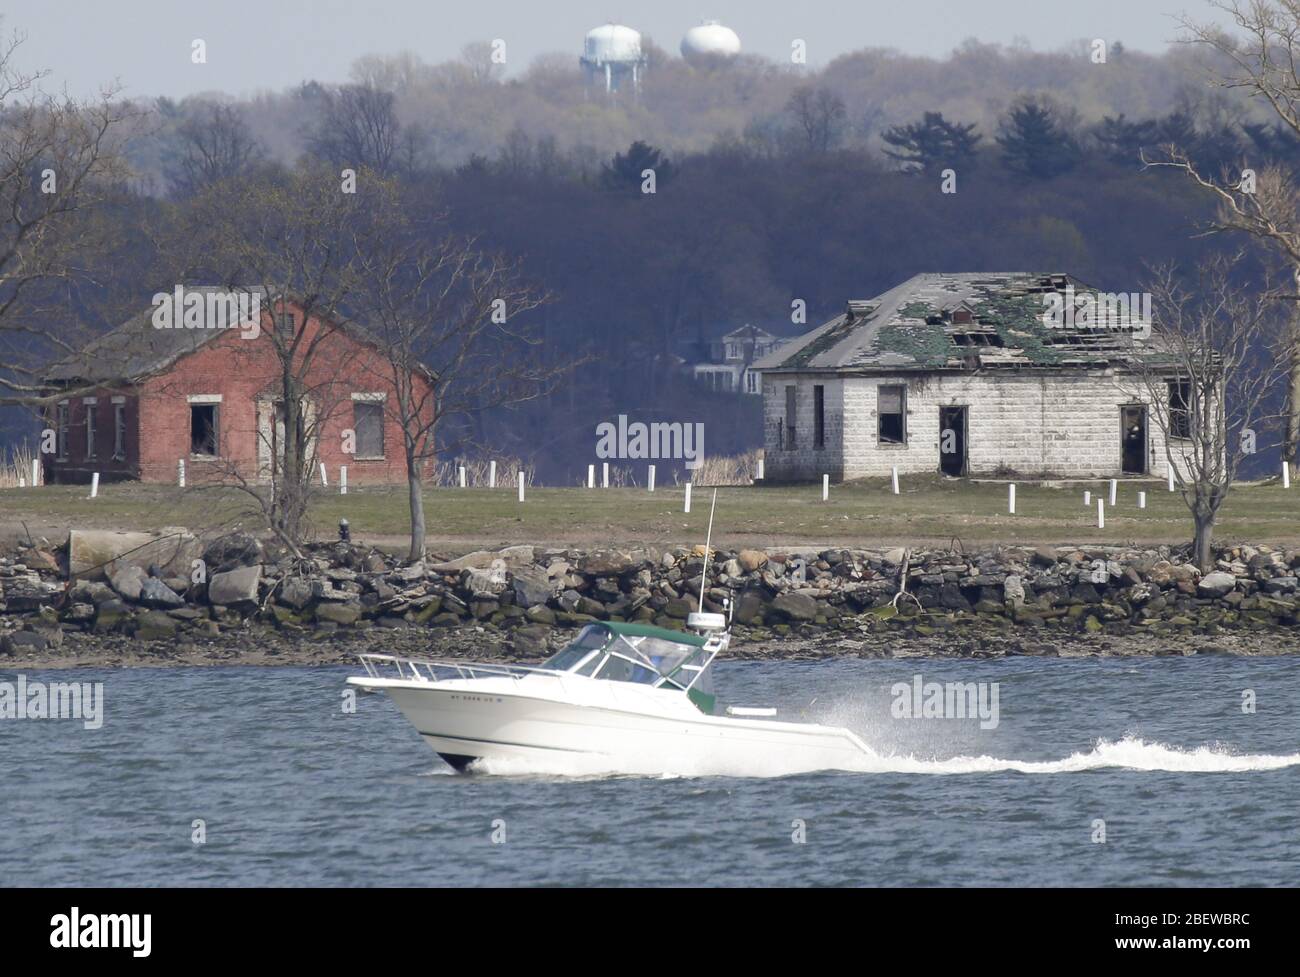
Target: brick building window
[(203, 429), (119, 430), (284, 325), (790, 416), (891, 412), (90, 404), (819, 416), (1180, 416), (368, 423), (61, 430)]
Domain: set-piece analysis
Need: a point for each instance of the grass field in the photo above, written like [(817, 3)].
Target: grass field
[(928, 511)]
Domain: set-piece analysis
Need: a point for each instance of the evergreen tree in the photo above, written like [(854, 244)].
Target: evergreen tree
[(1122, 141), (625, 172), (1035, 144), (932, 143)]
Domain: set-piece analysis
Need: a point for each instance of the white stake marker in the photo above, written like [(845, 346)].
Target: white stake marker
[(759, 476), (343, 479), (1142, 500), (492, 474), (651, 479), (894, 478), (521, 486), (688, 498), (462, 476), (604, 474), (1171, 476), (1114, 482), (826, 487), (94, 485), (1286, 474), (1101, 513), (1087, 498), (180, 472), (1011, 498), (591, 476), (36, 473), (22, 481), (324, 479)]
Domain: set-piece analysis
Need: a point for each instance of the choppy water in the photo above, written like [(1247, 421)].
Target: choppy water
[(293, 790)]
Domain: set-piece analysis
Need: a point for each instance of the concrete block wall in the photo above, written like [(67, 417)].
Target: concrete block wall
[(1063, 424)]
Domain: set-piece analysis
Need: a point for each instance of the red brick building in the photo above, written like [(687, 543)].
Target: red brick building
[(212, 397)]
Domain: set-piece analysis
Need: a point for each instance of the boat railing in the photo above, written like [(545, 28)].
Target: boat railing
[(434, 670)]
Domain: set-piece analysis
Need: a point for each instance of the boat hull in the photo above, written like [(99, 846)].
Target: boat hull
[(509, 726)]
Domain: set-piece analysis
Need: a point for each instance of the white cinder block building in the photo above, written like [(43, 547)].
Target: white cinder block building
[(962, 374)]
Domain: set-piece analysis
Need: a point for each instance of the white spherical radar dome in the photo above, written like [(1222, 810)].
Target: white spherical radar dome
[(612, 43), (710, 41)]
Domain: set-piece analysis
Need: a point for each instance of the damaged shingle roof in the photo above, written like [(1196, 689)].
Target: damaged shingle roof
[(966, 320)]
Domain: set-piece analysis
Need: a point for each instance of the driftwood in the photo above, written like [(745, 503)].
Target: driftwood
[(902, 581)]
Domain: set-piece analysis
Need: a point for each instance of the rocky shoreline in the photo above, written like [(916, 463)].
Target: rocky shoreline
[(238, 600)]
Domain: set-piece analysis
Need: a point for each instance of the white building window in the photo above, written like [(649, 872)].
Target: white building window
[(891, 413)]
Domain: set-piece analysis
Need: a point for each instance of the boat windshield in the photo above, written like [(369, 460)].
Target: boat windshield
[(592, 638), (646, 659)]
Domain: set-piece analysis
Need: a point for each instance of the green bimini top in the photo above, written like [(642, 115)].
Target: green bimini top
[(637, 630)]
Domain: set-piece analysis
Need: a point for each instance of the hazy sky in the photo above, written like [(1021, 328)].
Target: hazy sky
[(272, 44)]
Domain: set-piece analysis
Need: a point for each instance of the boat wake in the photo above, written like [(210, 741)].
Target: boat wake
[(1129, 753)]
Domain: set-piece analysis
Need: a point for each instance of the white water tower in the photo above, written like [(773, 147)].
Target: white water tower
[(710, 43), (611, 55)]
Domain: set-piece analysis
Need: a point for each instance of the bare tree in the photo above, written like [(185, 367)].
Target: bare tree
[(60, 160), (214, 145), (450, 318), (358, 127), (293, 238), (820, 116), (1209, 381), (1263, 62)]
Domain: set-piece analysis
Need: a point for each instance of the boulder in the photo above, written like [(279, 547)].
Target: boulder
[(128, 582), (532, 587), (1216, 584), (22, 643), (485, 582), (155, 626), (235, 586), (338, 613), (795, 607), (26, 594), (478, 560), (155, 593), (111, 615), (296, 592), (1013, 590), (605, 563), (751, 560)]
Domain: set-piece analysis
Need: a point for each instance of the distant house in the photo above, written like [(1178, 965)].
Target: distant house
[(963, 374), (729, 364), (211, 397)]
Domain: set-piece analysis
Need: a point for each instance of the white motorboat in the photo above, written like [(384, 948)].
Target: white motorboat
[(622, 697)]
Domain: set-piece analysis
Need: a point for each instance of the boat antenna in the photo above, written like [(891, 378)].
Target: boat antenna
[(708, 541)]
